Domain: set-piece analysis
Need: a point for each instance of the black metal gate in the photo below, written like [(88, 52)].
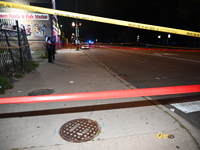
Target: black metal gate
[(14, 48)]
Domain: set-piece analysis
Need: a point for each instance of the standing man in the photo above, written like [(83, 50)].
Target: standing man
[(49, 50)]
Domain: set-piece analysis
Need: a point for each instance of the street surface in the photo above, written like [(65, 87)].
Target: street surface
[(124, 123), (151, 68)]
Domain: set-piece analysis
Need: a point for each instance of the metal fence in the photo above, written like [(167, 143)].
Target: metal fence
[(14, 48)]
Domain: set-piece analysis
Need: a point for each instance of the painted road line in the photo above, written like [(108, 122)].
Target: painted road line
[(139, 61), (188, 107), (166, 56), (195, 61), (169, 56)]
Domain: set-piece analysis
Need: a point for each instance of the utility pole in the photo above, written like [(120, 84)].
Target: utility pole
[(76, 31)]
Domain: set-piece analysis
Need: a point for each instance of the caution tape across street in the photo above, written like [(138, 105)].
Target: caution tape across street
[(100, 19), (103, 94)]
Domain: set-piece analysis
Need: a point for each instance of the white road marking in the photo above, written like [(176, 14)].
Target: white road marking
[(167, 56), (139, 61), (196, 61), (188, 107), (164, 54)]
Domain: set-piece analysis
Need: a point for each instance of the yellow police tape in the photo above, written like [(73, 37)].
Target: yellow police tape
[(100, 19)]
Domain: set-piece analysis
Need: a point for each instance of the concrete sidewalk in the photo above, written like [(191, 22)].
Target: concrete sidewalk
[(126, 123)]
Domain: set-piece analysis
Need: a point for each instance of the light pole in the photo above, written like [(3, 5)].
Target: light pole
[(76, 25), (168, 37), (138, 38)]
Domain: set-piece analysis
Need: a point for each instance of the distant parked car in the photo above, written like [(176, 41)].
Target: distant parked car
[(85, 45)]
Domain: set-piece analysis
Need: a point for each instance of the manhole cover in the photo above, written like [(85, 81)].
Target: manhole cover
[(79, 130), (41, 92)]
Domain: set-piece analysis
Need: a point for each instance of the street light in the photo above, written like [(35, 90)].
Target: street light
[(159, 37), (138, 38), (72, 37), (73, 24)]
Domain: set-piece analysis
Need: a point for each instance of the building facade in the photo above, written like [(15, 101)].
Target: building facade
[(38, 26)]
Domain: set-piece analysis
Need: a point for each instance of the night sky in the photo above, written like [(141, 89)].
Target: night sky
[(181, 14)]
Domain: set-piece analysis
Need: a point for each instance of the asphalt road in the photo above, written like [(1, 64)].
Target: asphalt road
[(148, 68)]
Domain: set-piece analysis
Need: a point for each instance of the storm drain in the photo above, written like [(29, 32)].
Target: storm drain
[(79, 130), (41, 92)]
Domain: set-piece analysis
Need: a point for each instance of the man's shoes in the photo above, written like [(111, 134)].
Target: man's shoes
[(50, 61)]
